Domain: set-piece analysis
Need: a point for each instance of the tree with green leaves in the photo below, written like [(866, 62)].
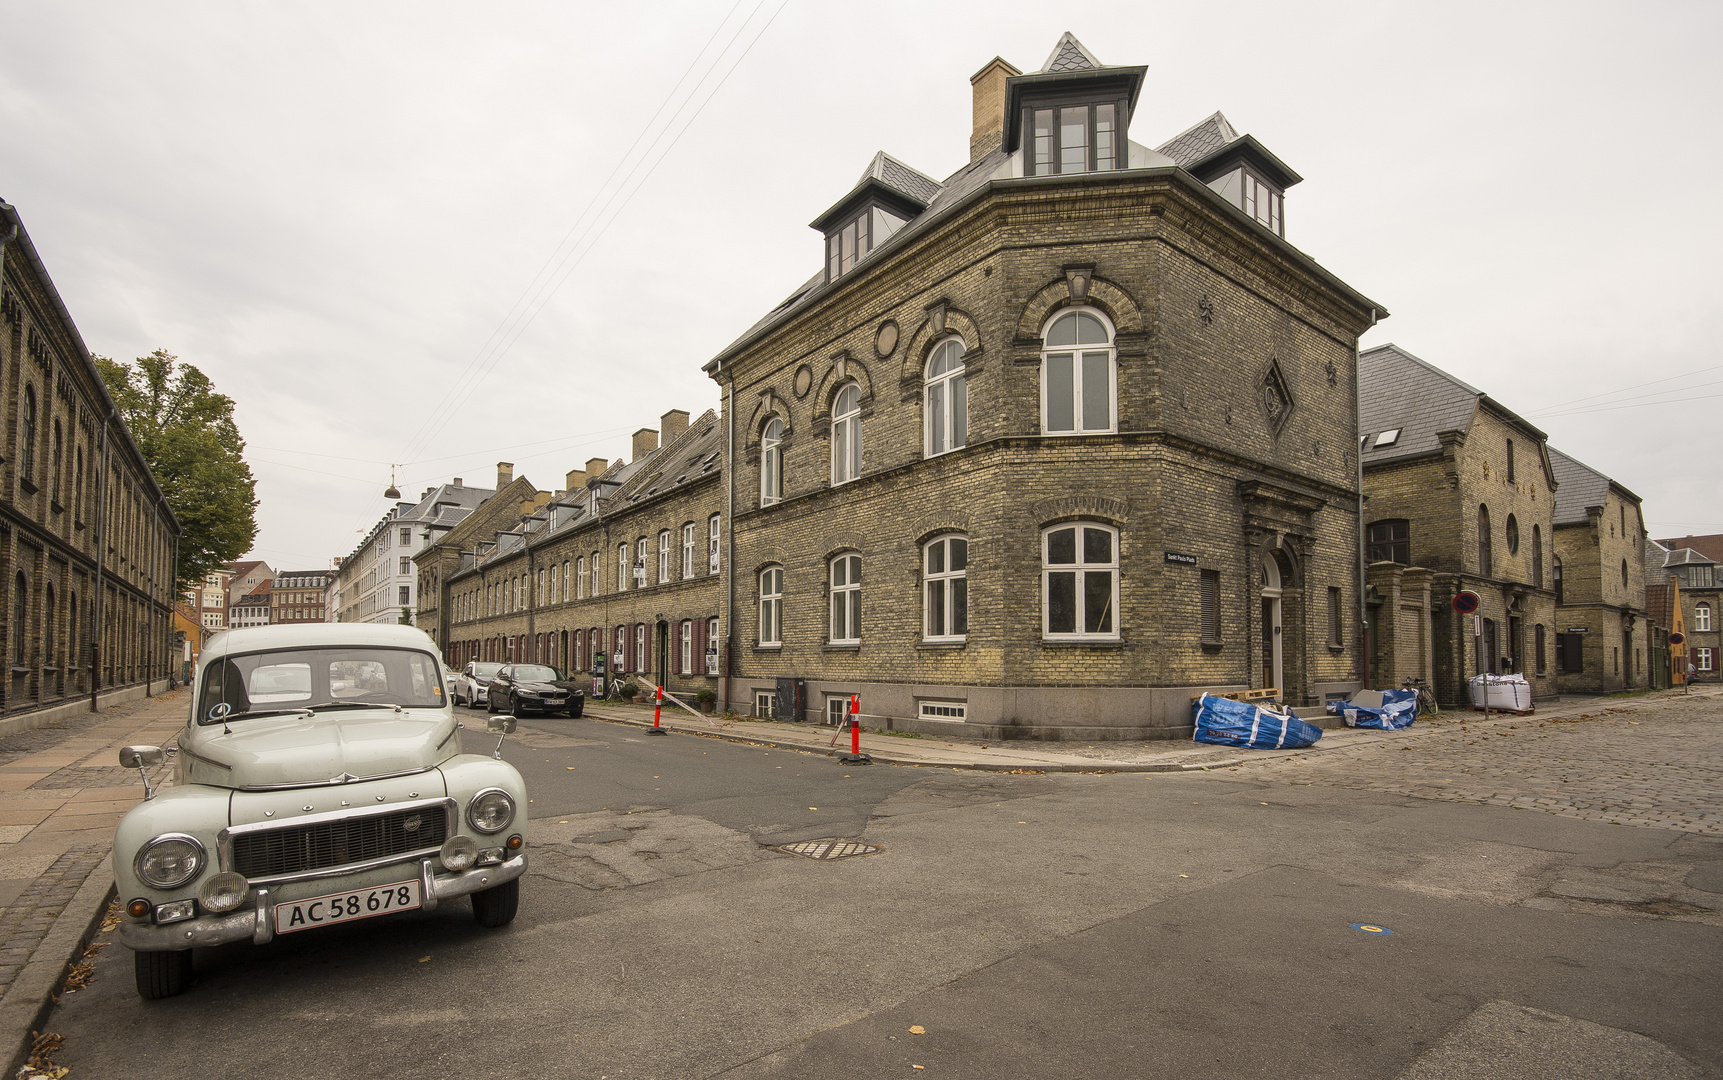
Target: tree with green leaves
[(186, 433)]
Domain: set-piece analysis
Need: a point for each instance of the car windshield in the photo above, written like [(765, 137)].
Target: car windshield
[(486, 671), (534, 673), (287, 679)]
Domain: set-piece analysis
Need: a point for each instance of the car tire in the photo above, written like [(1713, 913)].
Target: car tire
[(577, 708), (162, 974), (495, 906), (490, 703)]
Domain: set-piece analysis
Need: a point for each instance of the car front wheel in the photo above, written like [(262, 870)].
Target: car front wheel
[(165, 974), (577, 707), (495, 906)]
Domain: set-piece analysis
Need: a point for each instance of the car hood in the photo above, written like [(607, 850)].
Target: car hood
[(538, 687), (572, 686), (334, 747)]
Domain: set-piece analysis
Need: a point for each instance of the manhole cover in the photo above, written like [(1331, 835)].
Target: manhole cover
[(829, 849)]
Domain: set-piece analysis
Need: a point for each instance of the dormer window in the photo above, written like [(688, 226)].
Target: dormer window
[(1247, 190), (1073, 138), (849, 243)]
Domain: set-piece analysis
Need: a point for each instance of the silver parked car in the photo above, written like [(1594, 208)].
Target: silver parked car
[(472, 687), (320, 780)]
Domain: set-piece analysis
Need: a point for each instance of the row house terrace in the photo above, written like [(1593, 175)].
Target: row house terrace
[(618, 573), (1603, 642)]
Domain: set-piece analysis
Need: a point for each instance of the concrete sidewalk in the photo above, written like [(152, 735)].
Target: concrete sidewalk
[(62, 791), (1159, 755)]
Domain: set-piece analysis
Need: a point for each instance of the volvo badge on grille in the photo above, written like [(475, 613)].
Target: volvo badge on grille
[(412, 824)]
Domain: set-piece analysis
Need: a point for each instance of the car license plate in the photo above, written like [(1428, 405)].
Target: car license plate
[(346, 907)]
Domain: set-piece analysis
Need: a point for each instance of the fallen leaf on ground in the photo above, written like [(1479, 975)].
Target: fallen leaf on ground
[(424, 959), (917, 1029)]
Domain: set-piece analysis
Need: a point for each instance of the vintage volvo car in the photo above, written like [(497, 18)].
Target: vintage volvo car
[(319, 780)]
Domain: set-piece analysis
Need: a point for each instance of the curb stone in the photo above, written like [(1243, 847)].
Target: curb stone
[(33, 993)]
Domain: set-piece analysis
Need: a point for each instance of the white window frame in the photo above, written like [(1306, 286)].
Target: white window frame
[(949, 386), (711, 646), (663, 556), (686, 634), (772, 462), (567, 580), (943, 584), (846, 434), (640, 549), (1079, 571), (950, 712), (772, 605), (580, 578), (712, 534), (1077, 353), (843, 624), (688, 551), (597, 574), (837, 708), (1702, 659), (1702, 618), (639, 648), (622, 567), (765, 705)]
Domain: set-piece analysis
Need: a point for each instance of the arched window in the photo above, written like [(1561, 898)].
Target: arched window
[(1555, 576), (1537, 557), (846, 600), (1511, 533), (1485, 563), (846, 434), (20, 619), (50, 652), (1080, 581), (1702, 618), (1077, 375), (772, 605), (1624, 573), (27, 462), (947, 402), (78, 488), (771, 462), (663, 556), (945, 573)]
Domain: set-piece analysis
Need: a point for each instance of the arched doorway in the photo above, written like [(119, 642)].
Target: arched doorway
[(1274, 576)]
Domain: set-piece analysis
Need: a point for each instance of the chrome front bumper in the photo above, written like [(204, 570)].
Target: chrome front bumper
[(258, 923)]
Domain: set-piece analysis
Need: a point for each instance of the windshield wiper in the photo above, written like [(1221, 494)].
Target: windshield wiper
[(355, 705), (249, 713)]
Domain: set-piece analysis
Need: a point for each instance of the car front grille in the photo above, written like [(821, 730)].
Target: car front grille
[(306, 849)]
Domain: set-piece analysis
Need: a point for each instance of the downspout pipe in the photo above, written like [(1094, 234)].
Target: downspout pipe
[(728, 663), (1358, 451)]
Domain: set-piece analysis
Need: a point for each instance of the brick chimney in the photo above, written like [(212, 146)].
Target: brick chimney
[(988, 86), (457, 482), (575, 480), (595, 467), (505, 474), (645, 441), (673, 423)]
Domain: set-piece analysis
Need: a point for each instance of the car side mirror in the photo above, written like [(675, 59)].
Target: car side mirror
[(502, 727), (142, 757)]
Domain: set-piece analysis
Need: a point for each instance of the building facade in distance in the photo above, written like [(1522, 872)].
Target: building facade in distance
[(299, 596), (377, 583), (1602, 641)]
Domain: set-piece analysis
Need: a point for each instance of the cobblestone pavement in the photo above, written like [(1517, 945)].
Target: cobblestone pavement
[(1655, 763)]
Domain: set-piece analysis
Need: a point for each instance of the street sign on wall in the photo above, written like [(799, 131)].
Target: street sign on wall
[(1466, 602)]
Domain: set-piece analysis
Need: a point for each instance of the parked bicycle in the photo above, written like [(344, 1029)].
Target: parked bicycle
[(1426, 700)]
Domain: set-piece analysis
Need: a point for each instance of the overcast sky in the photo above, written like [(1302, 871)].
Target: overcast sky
[(343, 212)]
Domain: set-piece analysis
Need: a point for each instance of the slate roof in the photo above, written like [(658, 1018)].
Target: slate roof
[(1687, 556), (1199, 141), (1710, 548), (1069, 55), (1580, 486), (1398, 390), (900, 177)]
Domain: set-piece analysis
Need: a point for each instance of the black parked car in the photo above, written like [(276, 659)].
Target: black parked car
[(524, 688)]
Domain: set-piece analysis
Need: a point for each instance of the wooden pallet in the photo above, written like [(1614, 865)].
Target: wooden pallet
[(1246, 695), (1504, 712)]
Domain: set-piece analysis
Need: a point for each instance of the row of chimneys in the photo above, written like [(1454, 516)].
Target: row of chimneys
[(672, 423)]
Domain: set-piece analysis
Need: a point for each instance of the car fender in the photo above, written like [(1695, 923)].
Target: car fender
[(195, 810), (468, 774)]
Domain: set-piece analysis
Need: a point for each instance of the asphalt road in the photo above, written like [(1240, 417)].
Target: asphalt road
[(1012, 926)]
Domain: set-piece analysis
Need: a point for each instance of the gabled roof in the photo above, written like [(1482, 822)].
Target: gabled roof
[(1398, 392), (888, 179), (1710, 548), (1199, 140), (895, 174), (1069, 55), (1687, 556), (1579, 487), (1660, 603)]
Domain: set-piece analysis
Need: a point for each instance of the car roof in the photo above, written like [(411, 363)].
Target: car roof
[(300, 635)]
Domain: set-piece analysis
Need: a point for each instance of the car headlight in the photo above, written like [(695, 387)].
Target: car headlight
[(169, 861), (491, 810), (458, 853), (526, 693), (224, 892)]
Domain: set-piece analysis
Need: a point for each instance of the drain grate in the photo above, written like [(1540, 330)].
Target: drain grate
[(829, 848)]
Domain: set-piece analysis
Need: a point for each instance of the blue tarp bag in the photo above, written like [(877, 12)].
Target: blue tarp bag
[(1226, 722), (1399, 709)]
